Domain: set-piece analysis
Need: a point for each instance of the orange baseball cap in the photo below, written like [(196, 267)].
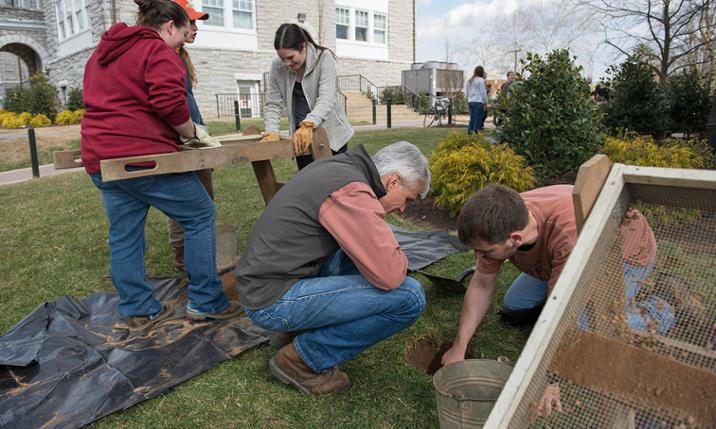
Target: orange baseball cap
[(191, 12)]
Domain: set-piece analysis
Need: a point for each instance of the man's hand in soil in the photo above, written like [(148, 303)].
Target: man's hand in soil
[(455, 354), (550, 399)]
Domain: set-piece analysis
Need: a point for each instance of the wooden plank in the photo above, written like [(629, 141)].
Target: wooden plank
[(63, 159), (672, 177), (266, 179), (590, 178), (320, 146), (637, 376), (192, 160), (66, 159)]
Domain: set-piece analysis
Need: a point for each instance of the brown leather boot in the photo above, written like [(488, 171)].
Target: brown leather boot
[(288, 367), (279, 339)]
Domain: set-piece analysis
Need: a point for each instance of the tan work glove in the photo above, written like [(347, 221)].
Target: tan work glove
[(269, 136), (303, 137), (201, 139)]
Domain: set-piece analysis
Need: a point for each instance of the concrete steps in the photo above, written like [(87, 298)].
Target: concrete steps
[(360, 108)]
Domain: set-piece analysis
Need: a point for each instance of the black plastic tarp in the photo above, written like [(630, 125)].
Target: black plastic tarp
[(63, 365)]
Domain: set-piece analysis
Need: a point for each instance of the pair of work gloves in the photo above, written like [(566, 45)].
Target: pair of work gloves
[(201, 139), (302, 138)]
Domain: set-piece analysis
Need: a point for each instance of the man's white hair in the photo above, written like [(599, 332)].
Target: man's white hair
[(405, 159)]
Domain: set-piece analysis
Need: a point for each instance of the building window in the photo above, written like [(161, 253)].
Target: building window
[(215, 9), (342, 22), (361, 26), (243, 14), (28, 4), (71, 17), (379, 27)]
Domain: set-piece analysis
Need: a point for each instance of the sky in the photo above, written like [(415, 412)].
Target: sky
[(465, 32)]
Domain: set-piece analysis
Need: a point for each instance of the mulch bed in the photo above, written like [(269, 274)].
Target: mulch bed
[(424, 212)]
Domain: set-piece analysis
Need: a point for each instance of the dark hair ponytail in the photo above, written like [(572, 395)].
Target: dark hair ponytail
[(155, 13), (292, 36)]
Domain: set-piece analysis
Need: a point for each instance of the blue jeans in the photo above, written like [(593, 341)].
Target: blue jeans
[(477, 117), (340, 314), (180, 197), (528, 292)]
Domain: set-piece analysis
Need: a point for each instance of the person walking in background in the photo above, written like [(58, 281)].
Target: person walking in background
[(303, 78), (505, 88), (137, 105), (476, 94), (176, 232)]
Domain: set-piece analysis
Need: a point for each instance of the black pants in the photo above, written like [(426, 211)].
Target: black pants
[(304, 160)]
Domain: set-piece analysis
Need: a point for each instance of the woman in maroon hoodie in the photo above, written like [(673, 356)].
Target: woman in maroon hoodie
[(136, 105)]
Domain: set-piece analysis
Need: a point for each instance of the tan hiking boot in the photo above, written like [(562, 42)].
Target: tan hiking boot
[(280, 339), (139, 324), (234, 309), (288, 367)]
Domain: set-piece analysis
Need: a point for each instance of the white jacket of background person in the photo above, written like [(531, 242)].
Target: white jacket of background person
[(320, 86), (476, 91)]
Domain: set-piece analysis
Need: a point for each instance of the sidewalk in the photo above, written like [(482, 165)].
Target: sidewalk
[(23, 174)]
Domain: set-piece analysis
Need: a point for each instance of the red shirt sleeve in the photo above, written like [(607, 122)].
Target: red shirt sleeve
[(164, 75), (356, 219)]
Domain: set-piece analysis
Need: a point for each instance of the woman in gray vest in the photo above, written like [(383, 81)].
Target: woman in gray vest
[(303, 78)]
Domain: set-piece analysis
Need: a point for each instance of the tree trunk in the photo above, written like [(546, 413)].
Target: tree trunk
[(711, 126)]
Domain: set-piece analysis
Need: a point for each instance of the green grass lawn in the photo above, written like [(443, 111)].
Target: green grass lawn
[(54, 235)]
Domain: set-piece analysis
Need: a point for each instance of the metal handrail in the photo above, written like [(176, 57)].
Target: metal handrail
[(225, 104), (358, 82), (405, 95)]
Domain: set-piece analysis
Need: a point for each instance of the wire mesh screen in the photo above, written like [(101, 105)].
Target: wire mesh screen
[(635, 345)]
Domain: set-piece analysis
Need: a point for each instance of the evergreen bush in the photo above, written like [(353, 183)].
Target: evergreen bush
[(74, 99), (17, 99), (550, 119), (459, 104), (637, 101), (689, 102), (462, 164), (43, 96)]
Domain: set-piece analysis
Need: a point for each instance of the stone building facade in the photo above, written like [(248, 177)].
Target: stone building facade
[(374, 38)]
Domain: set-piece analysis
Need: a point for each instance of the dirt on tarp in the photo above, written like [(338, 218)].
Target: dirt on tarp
[(64, 366)]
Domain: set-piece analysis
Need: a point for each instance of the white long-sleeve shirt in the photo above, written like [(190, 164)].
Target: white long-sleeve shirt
[(476, 91)]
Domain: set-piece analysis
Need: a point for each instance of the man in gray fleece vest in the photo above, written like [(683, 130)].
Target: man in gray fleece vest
[(323, 269)]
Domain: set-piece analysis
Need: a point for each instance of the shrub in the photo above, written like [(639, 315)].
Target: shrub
[(67, 117), (77, 116), (634, 149), (40, 120), (549, 117), (43, 96), (637, 101), (461, 165), (12, 120), (639, 150), (459, 104), (396, 94), (17, 99), (689, 102), (74, 99), (24, 118), (422, 104)]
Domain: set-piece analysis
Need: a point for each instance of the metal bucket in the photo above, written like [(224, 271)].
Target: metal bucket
[(466, 391), (225, 247)]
